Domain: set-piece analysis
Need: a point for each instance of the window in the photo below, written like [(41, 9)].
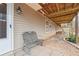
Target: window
[(3, 27)]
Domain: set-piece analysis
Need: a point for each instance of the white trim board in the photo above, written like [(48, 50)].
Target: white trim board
[(6, 44)]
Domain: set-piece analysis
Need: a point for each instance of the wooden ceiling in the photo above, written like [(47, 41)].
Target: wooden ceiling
[(59, 12)]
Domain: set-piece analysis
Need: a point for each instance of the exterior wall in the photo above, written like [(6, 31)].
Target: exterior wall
[(50, 26), (29, 20)]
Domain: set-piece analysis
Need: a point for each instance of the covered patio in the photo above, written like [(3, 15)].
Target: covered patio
[(45, 29)]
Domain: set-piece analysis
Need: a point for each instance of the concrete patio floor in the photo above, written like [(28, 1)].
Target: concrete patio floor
[(58, 47), (61, 48)]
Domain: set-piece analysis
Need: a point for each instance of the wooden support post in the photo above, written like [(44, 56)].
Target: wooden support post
[(76, 28)]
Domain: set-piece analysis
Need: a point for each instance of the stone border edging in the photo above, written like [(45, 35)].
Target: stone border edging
[(73, 44)]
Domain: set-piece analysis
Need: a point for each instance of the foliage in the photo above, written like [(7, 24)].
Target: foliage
[(72, 38)]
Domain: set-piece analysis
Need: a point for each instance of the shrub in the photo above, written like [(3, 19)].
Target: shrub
[(72, 38)]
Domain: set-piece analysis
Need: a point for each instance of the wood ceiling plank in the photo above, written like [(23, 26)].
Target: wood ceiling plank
[(65, 12), (66, 17), (55, 22), (65, 21), (60, 12), (45, 8), (45, 12), (50, 8), (75, 5), (60, 6), (53, 7), (57, 6), (68, 5)]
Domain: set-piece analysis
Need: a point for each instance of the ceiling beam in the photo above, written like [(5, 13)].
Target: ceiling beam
[(64, 20), (57, 7), (55, 22), (45, 8), (64, 12), (74, 5), (66, 17)]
